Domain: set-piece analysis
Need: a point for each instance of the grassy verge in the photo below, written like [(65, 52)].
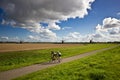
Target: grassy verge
[(101, 66), (11, 60)]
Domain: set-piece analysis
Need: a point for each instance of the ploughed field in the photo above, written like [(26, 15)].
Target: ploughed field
[(21, 47)]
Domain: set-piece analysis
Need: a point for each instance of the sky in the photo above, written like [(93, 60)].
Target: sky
[(56, 20)]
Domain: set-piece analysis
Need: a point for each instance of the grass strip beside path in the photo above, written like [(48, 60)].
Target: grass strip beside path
[(101, 66)]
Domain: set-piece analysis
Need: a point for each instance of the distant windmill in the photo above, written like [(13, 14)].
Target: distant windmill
[(21, 42), (91, 40), (62, 41)]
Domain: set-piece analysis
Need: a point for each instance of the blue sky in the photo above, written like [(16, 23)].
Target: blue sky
[(82, 26)]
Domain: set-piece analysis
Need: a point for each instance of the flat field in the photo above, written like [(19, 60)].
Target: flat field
[(21, 47), (101, 66), (16, 59)]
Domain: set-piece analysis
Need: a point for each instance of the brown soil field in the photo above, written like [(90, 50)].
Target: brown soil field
[(22, 47)]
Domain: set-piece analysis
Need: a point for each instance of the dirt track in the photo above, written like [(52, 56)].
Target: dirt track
[(21, 47), (7, 75)]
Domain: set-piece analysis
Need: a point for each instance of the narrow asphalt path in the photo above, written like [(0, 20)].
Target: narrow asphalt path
[(10, 74)]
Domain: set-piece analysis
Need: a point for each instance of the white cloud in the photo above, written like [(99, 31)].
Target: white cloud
[(114, 30), (111, 23), (65, 28), (118, 13), (98, 27), (3, 38), (108, 31), (37, 38), (28, 14), (74, 35), (53, 26), (31, 37), (77, 37), (97, 35)]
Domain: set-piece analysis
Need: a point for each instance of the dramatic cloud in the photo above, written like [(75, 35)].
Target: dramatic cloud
[(45, 10), (28, 14), (109, 23), (109, 30)]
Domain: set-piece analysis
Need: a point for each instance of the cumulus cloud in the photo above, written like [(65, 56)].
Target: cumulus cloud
[(28, 14), (114, 30), (110, 23), (53, 26), (77, 37), (109, 30), (45, 10)]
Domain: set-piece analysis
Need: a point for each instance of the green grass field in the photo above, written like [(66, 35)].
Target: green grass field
[(11, 60), (101, 66)]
